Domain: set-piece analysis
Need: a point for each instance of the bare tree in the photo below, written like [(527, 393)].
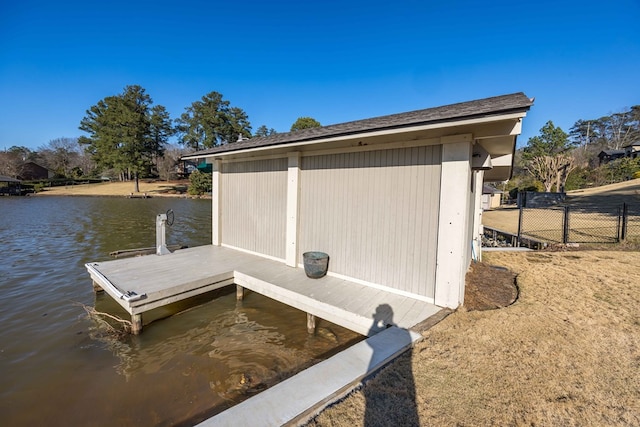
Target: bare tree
[(168, 164), (10, 164), (12, 161), (543, 169), (620, 130), (66, 157), (552, 171), (548, 156)]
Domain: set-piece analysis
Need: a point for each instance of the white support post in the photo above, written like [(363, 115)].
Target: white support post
[(311, 324), (477, 215), (161, 235), (293, 196), (216, 203), (453, 231)]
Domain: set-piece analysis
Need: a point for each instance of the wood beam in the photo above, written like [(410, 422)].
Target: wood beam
[(136, 324), (96, 287)]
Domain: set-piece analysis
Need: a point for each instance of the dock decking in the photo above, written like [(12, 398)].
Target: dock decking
[(143, 283)]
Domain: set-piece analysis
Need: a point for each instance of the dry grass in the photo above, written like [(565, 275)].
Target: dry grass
[(623, 189), (566, 353), (502, 219), (153, 189)]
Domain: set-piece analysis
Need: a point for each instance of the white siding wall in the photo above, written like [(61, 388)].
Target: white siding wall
[(254, 206), (454, 228), (375, 213)]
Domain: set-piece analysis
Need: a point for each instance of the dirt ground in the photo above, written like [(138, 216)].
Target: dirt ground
[(566, 352), (489, 287)]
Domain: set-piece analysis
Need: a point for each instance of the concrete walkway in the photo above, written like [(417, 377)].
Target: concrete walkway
[(304, 395)]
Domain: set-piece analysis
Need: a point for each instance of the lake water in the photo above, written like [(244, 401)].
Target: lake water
[(57, 367)]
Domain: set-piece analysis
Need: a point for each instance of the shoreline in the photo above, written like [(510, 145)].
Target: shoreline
[(167, 189)]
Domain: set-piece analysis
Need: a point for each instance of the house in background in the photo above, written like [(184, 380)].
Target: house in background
[(632, 150), (184, 168), (606, 156), (491, 197), (33, 171), (395, 200)]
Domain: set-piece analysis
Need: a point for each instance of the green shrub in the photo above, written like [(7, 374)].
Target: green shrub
[(621, 169), (199, 183), (536, 187), (578, 178)]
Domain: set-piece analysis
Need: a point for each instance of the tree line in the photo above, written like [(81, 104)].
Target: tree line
[(555, 160), (128, 137)]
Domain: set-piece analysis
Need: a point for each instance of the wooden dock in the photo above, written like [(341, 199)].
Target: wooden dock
[(143, 283)]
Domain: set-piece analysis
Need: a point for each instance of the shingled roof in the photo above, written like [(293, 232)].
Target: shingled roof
[(504, 104)]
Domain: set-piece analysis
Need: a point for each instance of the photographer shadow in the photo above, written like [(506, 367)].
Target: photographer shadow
[(391, 396)]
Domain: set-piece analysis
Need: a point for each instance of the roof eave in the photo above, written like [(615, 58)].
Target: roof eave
[(511, 114)]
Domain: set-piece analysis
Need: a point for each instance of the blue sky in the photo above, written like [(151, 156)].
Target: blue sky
[(335, 61)]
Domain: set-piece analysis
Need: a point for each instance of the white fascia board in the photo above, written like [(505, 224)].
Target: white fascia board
[(293, 146), (505, 160)]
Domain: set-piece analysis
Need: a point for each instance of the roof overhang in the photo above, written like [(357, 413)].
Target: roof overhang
[(9, 179), (494, 132)]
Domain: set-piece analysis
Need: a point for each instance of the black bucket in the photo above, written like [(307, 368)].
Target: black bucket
[(315, 264)]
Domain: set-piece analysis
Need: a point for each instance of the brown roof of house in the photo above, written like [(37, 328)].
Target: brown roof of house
[(516, 102)]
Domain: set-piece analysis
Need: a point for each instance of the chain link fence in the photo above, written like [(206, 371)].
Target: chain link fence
[(631, 221), (570, 224)]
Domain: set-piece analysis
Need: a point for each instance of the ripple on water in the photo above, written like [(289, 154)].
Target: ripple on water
[(180, 368)]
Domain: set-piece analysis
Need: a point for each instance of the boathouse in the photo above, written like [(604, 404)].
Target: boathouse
[(10, 186), (396, 203), (395, 200)]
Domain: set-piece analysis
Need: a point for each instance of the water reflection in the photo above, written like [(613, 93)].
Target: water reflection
[(237, 348), (57, 369)]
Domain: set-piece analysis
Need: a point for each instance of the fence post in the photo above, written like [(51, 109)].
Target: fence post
[(619, 226), (565, 226), (520, 215), (625, 219)]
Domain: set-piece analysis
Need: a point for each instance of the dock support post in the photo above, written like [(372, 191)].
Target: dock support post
[(239, 293), (136, 324), (96, 287), (311, 323), (161, 235)]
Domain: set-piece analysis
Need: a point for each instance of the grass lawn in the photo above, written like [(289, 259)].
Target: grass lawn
[(153, 189), (567, 352)]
